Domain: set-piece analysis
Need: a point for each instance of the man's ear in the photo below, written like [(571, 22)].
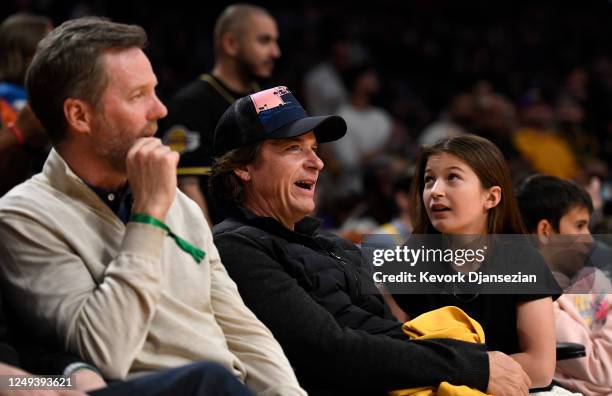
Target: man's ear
[(493, 198), (243, 173), (544, 230), (230, 44), (79, 115)]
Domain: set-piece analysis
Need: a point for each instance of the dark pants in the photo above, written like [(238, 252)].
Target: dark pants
[(196, 379)]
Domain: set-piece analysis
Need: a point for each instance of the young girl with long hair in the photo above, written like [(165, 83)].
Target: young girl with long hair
[(462, 187)]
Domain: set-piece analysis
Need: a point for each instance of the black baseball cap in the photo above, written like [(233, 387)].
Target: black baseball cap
[(271, 114)]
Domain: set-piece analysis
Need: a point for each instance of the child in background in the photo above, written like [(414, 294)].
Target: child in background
[(558, 209)]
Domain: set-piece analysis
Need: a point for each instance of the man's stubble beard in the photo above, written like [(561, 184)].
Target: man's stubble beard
[(247, 68), (112, 144)]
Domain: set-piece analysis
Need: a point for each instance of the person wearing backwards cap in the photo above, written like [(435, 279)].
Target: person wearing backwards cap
[(307, 286)]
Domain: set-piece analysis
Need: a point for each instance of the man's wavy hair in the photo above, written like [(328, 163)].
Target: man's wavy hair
[(224, 184)]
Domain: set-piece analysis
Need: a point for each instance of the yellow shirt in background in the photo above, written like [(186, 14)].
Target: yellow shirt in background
[(547, 152)]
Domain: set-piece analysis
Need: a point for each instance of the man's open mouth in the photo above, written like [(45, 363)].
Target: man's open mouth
[(305, 184)]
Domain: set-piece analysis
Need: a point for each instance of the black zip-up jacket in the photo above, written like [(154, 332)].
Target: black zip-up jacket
[(312, 291)]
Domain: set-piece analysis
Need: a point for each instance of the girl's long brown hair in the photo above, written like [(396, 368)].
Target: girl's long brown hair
[(488, 163)]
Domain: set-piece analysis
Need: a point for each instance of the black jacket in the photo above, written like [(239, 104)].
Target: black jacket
[(311, 290), (35, 355)]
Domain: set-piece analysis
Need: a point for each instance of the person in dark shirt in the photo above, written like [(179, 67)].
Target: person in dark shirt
[(246, 47), (464, 193), (310, 287)]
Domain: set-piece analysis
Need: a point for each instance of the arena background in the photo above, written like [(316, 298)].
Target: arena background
[(425, 52)]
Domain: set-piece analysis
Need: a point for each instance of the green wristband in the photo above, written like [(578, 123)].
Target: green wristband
[(197, 254)]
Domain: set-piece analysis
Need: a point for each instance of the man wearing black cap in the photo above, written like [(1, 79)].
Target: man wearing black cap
[(310, 287)]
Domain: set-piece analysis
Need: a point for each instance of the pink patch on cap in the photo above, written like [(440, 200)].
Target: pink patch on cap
[(269, 99)]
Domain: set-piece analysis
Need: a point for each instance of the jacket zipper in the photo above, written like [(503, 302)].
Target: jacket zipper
[(334, 255)]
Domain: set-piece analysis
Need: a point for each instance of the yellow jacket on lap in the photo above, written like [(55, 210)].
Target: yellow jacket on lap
[(445, 322)]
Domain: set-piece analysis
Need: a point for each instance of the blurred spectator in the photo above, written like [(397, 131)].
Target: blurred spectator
[(19, 35), (23, 141), (375, 205), (458, 120), (570, 118), (23, 147), (496, 119), (246, 48), (539, 143), (324, 89), (576, 84), (369, 128), (399, 228)]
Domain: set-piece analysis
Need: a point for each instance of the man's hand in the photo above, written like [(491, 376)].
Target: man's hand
[(40, 392), (33, 132), (506, 376), (151, 169), (87, 380)]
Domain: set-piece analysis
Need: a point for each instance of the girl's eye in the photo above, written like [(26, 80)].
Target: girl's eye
[(453, 176), (428, 179)]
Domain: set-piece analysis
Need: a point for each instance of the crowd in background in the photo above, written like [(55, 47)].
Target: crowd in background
[(430, 69)]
